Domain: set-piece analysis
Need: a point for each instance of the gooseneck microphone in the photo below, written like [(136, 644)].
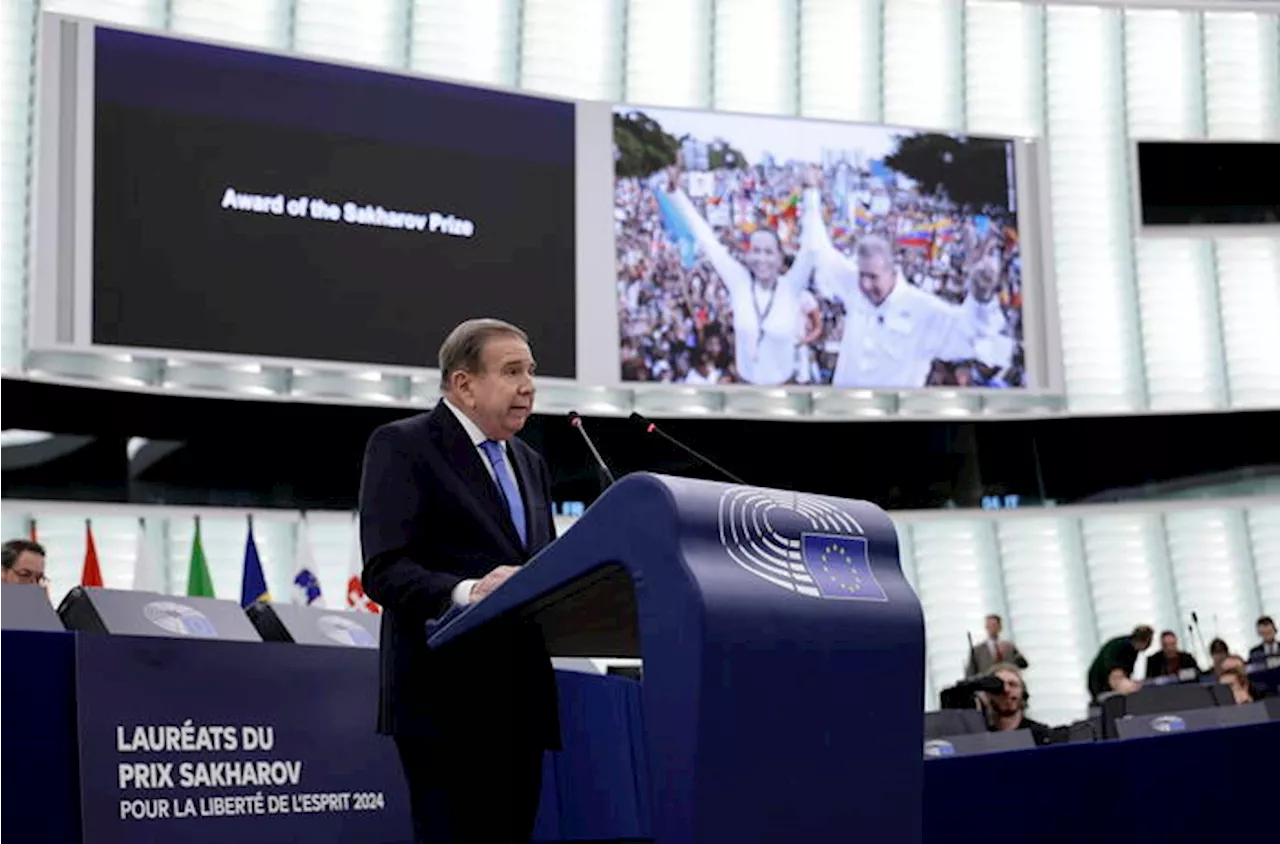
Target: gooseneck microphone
[(1198, 634), (576, 421), (651, 428)]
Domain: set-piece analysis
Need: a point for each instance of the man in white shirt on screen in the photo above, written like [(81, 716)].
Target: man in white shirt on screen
[(893, 331)]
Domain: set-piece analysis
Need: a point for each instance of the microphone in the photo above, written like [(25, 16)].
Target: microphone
[(651, 428), (1196, 634), (576, 421)]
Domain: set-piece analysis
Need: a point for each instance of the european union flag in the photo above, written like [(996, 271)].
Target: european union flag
[(253, 586), (840, 567)]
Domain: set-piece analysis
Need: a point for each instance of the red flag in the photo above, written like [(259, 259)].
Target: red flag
[(356, 599), (92, 575)]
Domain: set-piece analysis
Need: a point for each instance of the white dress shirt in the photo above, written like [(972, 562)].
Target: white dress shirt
[(462, 592), (696, 377), (892, 344), (992, 345)]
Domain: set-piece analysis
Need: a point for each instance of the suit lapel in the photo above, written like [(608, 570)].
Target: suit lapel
[(464, 459)]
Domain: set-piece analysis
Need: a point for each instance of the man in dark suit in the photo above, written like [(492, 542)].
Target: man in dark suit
[(1169, 660), (451, 505), (993, 650), (1269, 646)]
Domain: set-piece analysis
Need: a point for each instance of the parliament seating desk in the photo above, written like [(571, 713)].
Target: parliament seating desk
[(596, 789)]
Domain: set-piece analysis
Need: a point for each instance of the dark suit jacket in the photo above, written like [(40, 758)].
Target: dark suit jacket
[(981, 659), (430, 516), (1158, 665)]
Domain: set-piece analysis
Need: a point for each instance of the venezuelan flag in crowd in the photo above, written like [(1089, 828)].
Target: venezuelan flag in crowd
[(920, 236)]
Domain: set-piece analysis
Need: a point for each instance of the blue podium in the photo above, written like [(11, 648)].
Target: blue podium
[(783, 654)]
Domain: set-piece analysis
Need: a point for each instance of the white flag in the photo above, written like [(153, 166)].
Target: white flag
[(146, 574), (356, 599), (306, 585)]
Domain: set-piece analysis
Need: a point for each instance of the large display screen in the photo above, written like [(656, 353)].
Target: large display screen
[(771, 251), (262, 205), (195, 202)]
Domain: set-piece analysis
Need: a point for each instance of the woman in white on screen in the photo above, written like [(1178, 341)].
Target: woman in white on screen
[(773, 314)]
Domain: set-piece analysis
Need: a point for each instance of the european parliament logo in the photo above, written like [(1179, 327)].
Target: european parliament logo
[(802, 543), (344, 631), (1168, 724), (180, 619), (938, 748)]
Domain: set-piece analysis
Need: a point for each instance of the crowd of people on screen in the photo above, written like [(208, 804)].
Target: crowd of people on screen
[(795, 274)]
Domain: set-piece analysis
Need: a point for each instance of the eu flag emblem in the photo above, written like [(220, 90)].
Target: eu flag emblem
[(840, 567)]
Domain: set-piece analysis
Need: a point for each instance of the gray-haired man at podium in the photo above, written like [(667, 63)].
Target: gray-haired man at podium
[(451, 504)]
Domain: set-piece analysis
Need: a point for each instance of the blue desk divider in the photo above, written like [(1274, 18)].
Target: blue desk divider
[(41, 788), (783, 654)]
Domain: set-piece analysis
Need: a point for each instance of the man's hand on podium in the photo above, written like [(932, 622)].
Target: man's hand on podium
[(492, 581)]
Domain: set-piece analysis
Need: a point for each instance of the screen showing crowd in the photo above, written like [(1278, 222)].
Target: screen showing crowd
[(771, 251)]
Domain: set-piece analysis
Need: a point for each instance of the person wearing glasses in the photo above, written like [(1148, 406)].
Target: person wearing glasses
[(23, 562)]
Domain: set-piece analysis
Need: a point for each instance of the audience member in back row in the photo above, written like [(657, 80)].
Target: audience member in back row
[(1218, 651), (1236, 675), (994, 650), (23, 562), (1169, 660), (1237, 680), (1269, 646), (1112, 668), (1007, 710)]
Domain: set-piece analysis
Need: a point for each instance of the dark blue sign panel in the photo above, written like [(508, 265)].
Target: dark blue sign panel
[(207, 741)]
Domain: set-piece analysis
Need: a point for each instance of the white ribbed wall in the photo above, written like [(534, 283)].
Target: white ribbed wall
[(1163, 324)]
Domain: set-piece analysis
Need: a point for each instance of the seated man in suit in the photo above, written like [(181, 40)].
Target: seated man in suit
[(1007, 711), (1111, 669), (1169, 660), (993, 650), (451, 505), (1268, 646)]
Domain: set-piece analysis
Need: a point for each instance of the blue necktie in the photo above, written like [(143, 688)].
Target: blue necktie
[(507, 486)]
